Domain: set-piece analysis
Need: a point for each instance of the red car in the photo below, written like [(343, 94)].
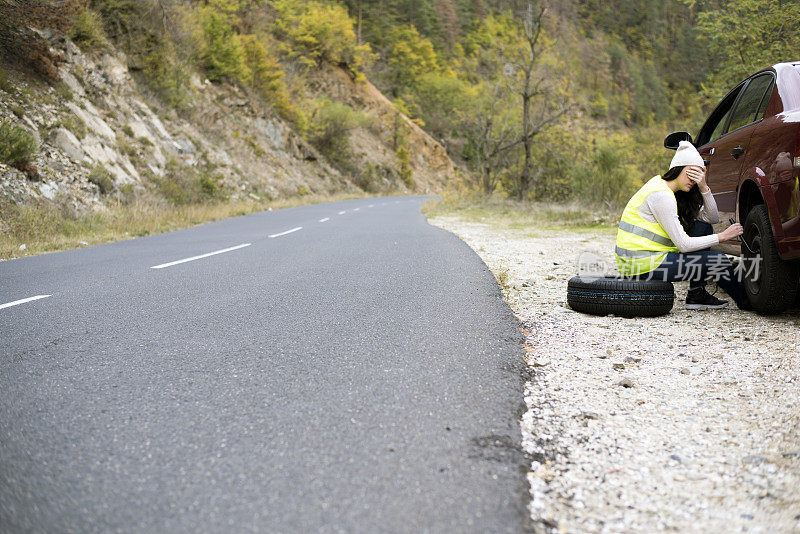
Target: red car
[(751, 146)]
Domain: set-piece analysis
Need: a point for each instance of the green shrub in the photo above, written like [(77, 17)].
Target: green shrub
[(441, 100), (331, 126), (609, 177), (223, 56), (87, 31), (254, 146), (17, 146), (166, 75), (210, 186), (17, 110), (183, 185), (127, 130), (159, 54), (406, 172), (179, 185), (74, 124), (265, 75), (367, 177), (5, 84), (100, 177), (127, 148), (63, 92)]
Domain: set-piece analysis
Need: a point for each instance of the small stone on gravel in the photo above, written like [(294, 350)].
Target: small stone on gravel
[(626, 383)]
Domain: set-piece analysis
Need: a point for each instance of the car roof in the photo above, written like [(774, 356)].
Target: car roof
[(776, 67), (786, 65)]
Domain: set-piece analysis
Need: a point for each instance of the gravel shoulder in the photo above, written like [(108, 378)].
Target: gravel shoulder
[(705, 439)]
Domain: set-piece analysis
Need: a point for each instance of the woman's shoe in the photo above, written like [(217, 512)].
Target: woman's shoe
[(699, 299)]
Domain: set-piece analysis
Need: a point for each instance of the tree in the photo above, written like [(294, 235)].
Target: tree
[(448, 20), (441, 99), (492, 136), (541, 105), (265, 74), (411, 56), (223, 56), (747, 35), (321, 33)]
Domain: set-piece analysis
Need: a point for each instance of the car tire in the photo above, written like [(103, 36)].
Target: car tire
[(623, 297), (774, 288)]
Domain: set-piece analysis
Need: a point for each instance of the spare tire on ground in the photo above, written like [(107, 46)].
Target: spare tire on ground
[(624, 297)]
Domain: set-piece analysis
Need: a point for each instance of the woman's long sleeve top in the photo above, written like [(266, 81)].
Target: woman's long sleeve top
[(662, 208)]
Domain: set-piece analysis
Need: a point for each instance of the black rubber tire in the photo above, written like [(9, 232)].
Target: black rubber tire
[(775, 288), (622, 297)]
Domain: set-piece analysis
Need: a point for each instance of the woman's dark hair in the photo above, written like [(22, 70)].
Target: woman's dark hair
[(689, 204)]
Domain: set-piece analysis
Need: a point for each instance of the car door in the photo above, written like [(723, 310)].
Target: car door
[(726, 153), (708, 139)]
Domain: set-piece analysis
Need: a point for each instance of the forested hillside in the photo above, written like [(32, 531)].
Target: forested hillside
[(545, 101), (608, 80)]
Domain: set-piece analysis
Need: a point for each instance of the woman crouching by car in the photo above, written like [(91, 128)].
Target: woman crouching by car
[(665, 233)]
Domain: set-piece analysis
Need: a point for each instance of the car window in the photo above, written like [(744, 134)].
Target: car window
[(713, 127), (749, 104), (762, 109), (715, 123), (720, 126)]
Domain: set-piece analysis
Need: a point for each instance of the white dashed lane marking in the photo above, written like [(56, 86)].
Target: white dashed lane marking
[(201, 256), (325, 219), (286, 232), (22, 301), (342, 213)]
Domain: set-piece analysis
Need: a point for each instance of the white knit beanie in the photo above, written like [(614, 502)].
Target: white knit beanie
[(687, 154)]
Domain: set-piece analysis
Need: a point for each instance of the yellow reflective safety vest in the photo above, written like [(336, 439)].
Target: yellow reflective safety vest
[(641, 245)]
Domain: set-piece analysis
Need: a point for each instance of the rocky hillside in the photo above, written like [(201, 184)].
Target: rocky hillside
[(104, 137)]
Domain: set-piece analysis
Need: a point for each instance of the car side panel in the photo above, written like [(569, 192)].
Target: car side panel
[(724, 169), (776, 141)]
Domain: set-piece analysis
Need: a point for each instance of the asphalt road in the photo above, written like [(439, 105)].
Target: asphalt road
[(359, 374)]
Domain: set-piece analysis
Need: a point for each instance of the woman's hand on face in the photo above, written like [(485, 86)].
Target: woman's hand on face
[(734, 230), (698, 176)]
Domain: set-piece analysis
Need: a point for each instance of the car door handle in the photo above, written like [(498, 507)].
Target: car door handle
[(738, 151)]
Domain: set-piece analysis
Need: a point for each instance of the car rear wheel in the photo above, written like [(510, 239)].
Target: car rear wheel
[(771, 283)]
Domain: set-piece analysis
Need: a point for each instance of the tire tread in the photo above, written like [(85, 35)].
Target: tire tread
[(623, 297)]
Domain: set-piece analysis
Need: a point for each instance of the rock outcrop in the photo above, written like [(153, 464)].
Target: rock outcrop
[(100, 117)]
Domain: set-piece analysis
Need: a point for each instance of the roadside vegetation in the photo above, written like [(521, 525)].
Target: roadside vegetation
[(50, 227), (17, 146), (536, 218)]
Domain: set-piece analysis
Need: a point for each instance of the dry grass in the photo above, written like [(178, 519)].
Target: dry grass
[(513, 214), (48, 228)]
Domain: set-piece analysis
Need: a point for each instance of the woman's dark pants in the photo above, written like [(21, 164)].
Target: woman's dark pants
[(699, 266)]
